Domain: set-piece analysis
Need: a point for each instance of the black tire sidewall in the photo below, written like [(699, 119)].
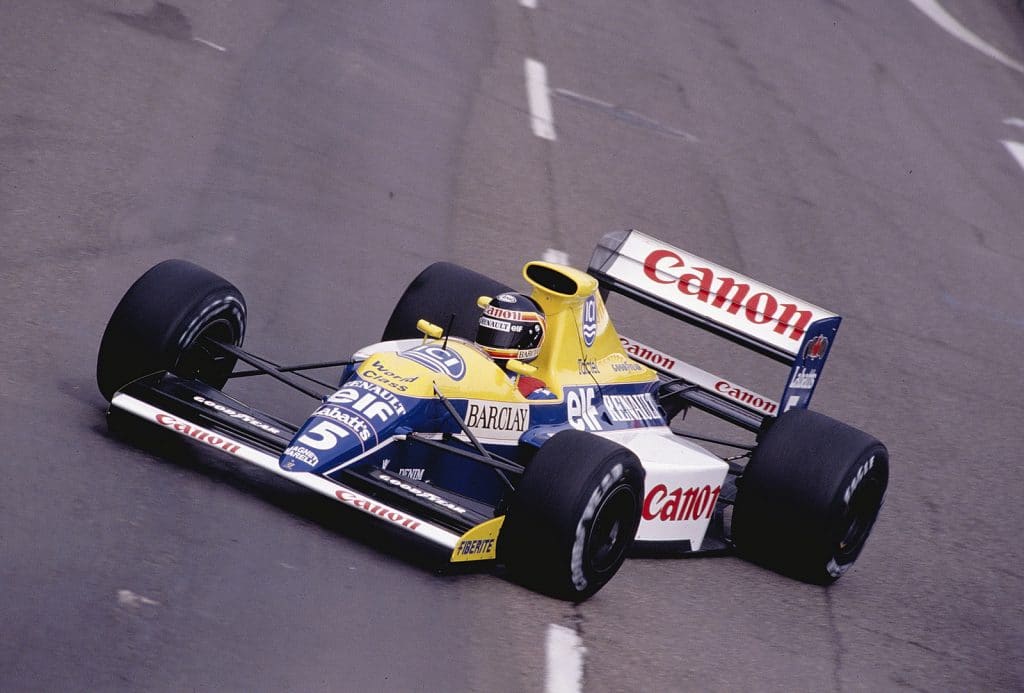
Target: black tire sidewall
[(792, 498), (546, 538), (159, 319), (441, 290)]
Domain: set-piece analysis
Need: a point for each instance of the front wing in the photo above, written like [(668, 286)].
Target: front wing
[(195, 410)]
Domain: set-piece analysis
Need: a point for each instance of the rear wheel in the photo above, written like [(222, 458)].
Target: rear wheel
[(573, 516), (440, 291), (158, 324), (809, 497)]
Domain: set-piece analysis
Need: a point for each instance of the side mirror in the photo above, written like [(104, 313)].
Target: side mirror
[(429, 329), (517, 366)]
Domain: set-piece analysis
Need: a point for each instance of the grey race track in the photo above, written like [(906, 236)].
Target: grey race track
[(847, 152)]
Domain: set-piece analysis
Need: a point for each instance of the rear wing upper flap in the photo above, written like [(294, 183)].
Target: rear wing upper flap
[(723, 302)]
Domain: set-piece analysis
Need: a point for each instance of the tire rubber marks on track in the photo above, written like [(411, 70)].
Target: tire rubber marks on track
[(564, 668), (130, 599), (542, 118), (210, 44), (935, 12), (625, 115)]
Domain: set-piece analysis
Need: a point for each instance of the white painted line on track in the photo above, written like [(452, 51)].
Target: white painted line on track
[(565, 653), (559, 257), (541, 118), (532, 4), (934, 11), (1018, 122), (211, 44), (1016, 150)]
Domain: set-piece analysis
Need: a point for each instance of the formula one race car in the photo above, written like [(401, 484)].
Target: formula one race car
[(556, 468)]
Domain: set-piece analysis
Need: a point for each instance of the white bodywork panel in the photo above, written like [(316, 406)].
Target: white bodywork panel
[(682, 487)]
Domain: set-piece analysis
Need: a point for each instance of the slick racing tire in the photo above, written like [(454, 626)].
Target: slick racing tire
[(809, 496), (440, 291), (158, 323), (573, 516)]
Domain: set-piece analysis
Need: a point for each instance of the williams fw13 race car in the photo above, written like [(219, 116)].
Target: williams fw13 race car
[(524, 429)]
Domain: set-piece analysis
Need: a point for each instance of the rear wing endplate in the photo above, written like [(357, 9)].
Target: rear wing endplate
[(723, 302)]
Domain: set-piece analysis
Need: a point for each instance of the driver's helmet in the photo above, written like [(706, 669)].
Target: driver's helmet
[(511, 327)]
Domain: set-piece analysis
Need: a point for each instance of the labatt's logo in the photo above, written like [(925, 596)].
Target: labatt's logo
[(728, 294)]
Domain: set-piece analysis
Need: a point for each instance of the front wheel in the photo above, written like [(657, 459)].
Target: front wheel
[(573, 516), (158, 324), (809, 497)]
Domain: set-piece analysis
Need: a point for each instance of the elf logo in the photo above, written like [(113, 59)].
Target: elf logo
[(581, 409)]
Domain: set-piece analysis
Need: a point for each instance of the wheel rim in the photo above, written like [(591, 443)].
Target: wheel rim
[(612, 529), (858, 518), (206, 363)]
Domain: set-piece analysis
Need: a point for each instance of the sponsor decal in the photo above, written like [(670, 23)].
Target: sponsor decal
[(473, 547), (579, 578), (804, 379), (816, 348), (381, 511), (304, 455), (589, 320), (418, 492), (254, 422), (200, 434), (500, 325), (585, 367), (493, 311), (437, 359), (363, 407), (676, 505), (379, 373), (857, 478), (506, 298), (381, 393), (497, 420), (357, 423), (323, 435), (626, 367), (580, 410), (751, 399), (728, 294), (648, 355), (632, 407), (480, 543), (414, 474)]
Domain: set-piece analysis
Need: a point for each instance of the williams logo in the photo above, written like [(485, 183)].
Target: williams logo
[(589, 321)]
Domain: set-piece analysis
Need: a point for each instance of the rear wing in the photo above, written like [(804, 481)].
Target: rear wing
[(725, 303)]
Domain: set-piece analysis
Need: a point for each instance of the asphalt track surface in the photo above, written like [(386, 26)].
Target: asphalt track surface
[(846, 152)]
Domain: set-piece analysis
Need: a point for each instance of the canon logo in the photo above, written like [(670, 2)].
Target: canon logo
[(737, 393), (676, 505), (381, 511), (728, 294)]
